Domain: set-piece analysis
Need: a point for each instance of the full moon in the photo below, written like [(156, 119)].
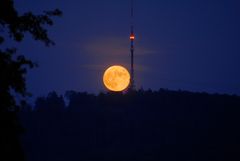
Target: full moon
[(116, 78)]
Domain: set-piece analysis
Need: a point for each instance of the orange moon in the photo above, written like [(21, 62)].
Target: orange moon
[(116, 78)]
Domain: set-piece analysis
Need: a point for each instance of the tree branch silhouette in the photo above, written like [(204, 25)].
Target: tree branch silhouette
[(13, 70)]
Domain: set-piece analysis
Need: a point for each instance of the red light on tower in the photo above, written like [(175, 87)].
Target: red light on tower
[(132, 37)]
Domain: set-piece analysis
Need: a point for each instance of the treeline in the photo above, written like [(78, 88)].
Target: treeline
[(138, 125)]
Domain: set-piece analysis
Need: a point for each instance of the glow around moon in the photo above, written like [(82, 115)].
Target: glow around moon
[(116, 78)]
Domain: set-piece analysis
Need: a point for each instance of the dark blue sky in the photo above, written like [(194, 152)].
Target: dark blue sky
[(189, 44)]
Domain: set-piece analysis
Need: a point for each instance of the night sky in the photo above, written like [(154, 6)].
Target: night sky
[(189, 44)]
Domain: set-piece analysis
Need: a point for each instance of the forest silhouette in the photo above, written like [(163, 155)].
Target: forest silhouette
[(138, 125)]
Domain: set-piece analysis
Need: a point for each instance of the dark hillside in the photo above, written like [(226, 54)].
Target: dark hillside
[(137, 126)]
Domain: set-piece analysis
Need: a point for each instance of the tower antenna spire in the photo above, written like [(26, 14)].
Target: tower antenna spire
[(131, 8), (132, 37)]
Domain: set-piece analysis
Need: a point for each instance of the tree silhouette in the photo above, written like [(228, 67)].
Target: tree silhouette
[(13, 69), (52, 103), (140, 125)]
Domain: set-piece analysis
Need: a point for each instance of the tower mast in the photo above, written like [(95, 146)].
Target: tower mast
[(132, 37)]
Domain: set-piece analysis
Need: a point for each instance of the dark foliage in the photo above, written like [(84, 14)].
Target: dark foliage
[(136, 126), (13, 69)]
